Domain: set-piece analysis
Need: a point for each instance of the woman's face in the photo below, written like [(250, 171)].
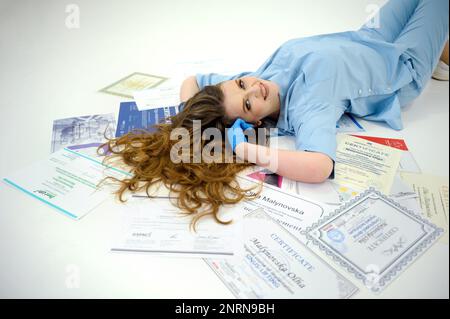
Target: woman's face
[(250, 98)]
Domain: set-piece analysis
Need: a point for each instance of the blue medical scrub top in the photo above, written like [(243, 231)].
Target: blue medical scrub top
[(323, 76)]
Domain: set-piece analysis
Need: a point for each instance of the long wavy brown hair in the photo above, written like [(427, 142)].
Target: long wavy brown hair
[(197, 189)]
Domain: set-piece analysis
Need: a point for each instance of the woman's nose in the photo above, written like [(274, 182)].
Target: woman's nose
[(255, 90)]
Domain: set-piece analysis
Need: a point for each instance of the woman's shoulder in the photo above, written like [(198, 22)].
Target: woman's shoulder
[(296, 42)]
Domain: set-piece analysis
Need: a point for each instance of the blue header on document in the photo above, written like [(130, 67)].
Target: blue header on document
[(131, 118)]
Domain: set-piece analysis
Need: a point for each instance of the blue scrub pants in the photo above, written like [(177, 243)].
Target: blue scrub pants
[(422, 27)]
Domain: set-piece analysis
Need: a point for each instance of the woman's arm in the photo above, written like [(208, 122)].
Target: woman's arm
[(308, 167), (188, 88)]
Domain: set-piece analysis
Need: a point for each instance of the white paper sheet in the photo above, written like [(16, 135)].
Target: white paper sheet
[(67, 181), (155, 226)]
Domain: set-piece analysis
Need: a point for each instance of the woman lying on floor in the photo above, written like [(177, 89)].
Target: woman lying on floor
[(304, 87)]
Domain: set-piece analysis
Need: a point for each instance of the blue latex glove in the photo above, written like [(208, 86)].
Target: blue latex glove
[(236, 133)]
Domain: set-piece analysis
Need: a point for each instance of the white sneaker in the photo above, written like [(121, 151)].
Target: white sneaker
[(441, 71)]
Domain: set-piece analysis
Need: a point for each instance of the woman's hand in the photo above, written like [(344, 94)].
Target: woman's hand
[(235, 133)]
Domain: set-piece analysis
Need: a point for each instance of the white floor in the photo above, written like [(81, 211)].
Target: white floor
[(49, 71)]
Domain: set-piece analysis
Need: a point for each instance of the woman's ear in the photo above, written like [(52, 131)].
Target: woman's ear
[(258, 123)]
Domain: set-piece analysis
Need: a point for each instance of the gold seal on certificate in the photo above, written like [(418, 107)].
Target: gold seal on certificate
[(373, 237)]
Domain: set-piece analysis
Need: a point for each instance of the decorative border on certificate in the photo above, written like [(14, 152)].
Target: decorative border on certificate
[(276, 264), (373, 237), (124, 89)]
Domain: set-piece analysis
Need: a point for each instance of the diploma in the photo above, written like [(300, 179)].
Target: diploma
[(292, 211), (134, 82), (155, 226), (373, 237), (432, 192), (167, 93), (82, 130), (361, 164), (407, 162), (277, 265), (67, 181)]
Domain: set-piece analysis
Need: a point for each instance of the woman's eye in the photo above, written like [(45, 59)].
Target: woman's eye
[(247, 105), (241, 84)]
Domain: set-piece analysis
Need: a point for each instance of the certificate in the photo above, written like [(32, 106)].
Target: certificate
[(361, 164), (82, 130), (407, 162), (291, 211), (130, 118), (277, 265), (167, 93), (432, 193), (155, 226), (67, 181), (373, 237), (134, 82)]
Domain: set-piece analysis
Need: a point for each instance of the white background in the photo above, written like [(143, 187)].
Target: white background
[(48, 72)]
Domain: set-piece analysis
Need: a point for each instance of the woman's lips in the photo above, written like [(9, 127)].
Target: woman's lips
[(265, 92)]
